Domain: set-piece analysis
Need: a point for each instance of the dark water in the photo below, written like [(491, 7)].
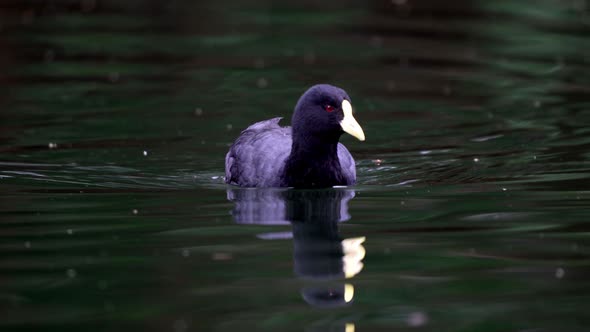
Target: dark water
[(471, 212)]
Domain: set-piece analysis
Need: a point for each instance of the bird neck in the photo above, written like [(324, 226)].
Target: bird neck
[(313, 163)]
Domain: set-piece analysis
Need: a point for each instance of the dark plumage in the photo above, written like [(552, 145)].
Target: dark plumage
[(306, 155)]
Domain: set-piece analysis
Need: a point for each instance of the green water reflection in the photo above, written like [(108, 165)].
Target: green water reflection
[(474, 187)]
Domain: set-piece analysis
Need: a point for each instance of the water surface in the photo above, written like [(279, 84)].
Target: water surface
[(471, 211)]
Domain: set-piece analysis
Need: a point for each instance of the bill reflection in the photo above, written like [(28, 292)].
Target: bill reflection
[(321, 255)]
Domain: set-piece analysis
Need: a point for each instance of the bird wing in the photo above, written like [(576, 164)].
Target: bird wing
[(257, 156), (347, 164)]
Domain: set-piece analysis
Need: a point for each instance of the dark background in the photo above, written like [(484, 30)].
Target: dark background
[(473, 183)]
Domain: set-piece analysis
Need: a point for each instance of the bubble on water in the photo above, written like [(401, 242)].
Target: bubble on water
[(402, 203), (135, 211), (198, 111), (229, 126), (52, 145), (504, 189), (71, 273), (377, 161), (186, 253), (417, 319), (476, 160), (70, 231), (262, 82), (145, 153), (27, 244), (537, 103), (559, 273)]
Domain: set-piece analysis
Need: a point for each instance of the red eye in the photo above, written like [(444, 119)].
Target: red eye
[(329, 108)]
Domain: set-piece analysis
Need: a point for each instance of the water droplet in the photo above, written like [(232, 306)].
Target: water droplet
[(186, 253), (559, 273), (476, 160), (27, 244), (504, 189), (145, 153), (70, 231), (198, 111), (229, 126), (416, 319), (71, 273), (52, 145), (135, 211), (262, 83)]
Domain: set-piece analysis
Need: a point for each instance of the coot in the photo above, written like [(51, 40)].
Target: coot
[(306, 155)]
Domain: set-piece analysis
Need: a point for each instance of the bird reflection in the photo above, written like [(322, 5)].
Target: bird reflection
[(320, 254)]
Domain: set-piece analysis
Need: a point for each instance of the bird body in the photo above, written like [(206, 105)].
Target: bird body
[(306, 155)]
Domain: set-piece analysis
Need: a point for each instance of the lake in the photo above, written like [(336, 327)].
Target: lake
[(471, 212)]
